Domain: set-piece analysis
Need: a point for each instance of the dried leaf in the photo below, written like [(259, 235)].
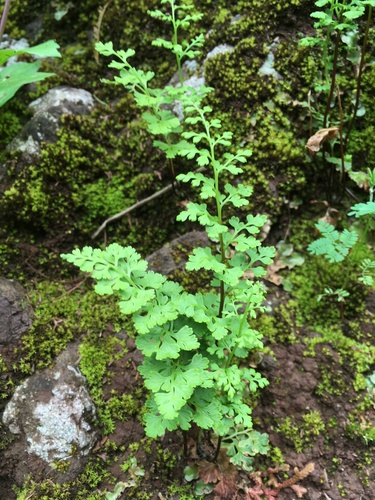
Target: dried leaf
[(226, 489), (308, 469), (209, 472), (325, 134), (299, 490)]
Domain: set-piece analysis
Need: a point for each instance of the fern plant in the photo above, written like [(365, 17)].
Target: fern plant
[(194, 345), (336, 246)]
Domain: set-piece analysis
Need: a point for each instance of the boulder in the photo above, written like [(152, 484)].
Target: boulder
[(52, 415), (175, 255)]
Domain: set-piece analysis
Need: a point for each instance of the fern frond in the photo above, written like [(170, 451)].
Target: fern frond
[(333, 245)]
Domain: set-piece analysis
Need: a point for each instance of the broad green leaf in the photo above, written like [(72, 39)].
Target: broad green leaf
[(361, 209), (13, 77), (156, 424), (207, 409), (172, 384), (45, 49)]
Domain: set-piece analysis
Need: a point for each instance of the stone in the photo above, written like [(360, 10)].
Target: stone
[(164, 261), (15, 311), (45, 123), (53, 417)]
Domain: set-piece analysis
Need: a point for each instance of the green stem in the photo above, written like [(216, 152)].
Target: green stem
[(218, 205), (333, 81), (239, 335), (175, 42)]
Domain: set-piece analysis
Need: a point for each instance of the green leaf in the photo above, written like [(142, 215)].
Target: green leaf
[(138, 299), (117, 492), (171, 150), (163, 309), (207, 409), (156, 424), (164, 123), (354, 13), (246, 444), (202, 258), (333, 245), (195, 211), (45, 49), (167, 344), (13, 77), (361, 209), (172, 384), (238, 194)]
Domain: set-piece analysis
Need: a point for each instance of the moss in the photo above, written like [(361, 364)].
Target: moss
[(358, 355), (97, 353), (83, 488), (61, 317), (91, 173), (303, 433)]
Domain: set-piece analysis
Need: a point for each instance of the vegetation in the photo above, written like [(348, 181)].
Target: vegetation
[(207, 340)]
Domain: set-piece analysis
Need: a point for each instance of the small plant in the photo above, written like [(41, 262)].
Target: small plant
[(132, 468), (337, 35), (337, 246), (13, 77), (193, 344)]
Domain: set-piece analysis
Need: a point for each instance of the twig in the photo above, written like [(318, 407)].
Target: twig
[(137, 205), (130, 209), (71, 290), (97, 27), (4, 18), (342, 142)]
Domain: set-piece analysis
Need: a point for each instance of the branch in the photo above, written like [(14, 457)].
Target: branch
[(4, 18), (137, 205), (130, 209)]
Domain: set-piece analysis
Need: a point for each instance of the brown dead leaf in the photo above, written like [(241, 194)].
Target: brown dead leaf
[(209, 472), (272, 275), (226, 489), (325, 134), (331, 216)]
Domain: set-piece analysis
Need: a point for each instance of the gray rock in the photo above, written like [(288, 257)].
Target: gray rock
[(15, 311), (45, 123), (174, 255), (52, 415), (193, 75)]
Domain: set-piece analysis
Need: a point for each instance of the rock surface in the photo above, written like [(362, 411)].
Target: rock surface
[(45, 123), (174, 255), (52, 415), (15, 312)]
